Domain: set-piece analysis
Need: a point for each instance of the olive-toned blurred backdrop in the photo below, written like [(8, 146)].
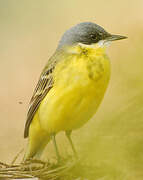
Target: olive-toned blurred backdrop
[(29, 34)]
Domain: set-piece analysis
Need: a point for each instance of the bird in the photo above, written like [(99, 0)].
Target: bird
[(70, 88)]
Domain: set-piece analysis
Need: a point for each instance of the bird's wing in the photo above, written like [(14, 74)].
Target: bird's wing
[(45, 83)]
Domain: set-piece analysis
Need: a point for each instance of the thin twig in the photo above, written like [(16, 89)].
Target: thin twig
[(17, 155), (35, 168)]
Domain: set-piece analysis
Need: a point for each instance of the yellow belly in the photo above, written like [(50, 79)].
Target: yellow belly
[(79, 86)]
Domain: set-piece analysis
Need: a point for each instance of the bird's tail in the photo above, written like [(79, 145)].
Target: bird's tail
[(37, 141), (35, 150)]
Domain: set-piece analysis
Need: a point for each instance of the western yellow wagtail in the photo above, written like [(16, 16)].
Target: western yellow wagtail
[(70, 88)]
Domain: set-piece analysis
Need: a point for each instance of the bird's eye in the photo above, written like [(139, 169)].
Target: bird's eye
[(100, 33), (93, 36)]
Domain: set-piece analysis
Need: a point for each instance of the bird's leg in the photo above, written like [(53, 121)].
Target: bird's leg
[(68, 134), (55, 146)]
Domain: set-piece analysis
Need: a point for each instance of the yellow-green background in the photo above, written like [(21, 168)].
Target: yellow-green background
[(29, 33)]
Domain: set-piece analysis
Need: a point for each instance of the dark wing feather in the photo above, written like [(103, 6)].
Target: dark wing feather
[(45, 83)]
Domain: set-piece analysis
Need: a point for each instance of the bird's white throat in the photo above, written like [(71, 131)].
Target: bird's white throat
[(104, 43), (101, 43)]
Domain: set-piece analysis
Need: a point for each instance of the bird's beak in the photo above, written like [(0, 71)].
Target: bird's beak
[(113, 37)]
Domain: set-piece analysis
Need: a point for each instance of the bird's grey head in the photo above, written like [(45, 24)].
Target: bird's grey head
[(86, 33)]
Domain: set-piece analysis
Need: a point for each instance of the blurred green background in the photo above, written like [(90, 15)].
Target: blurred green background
[(29, 33)]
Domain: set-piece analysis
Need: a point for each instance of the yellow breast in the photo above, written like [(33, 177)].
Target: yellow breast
[(80, 81)]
